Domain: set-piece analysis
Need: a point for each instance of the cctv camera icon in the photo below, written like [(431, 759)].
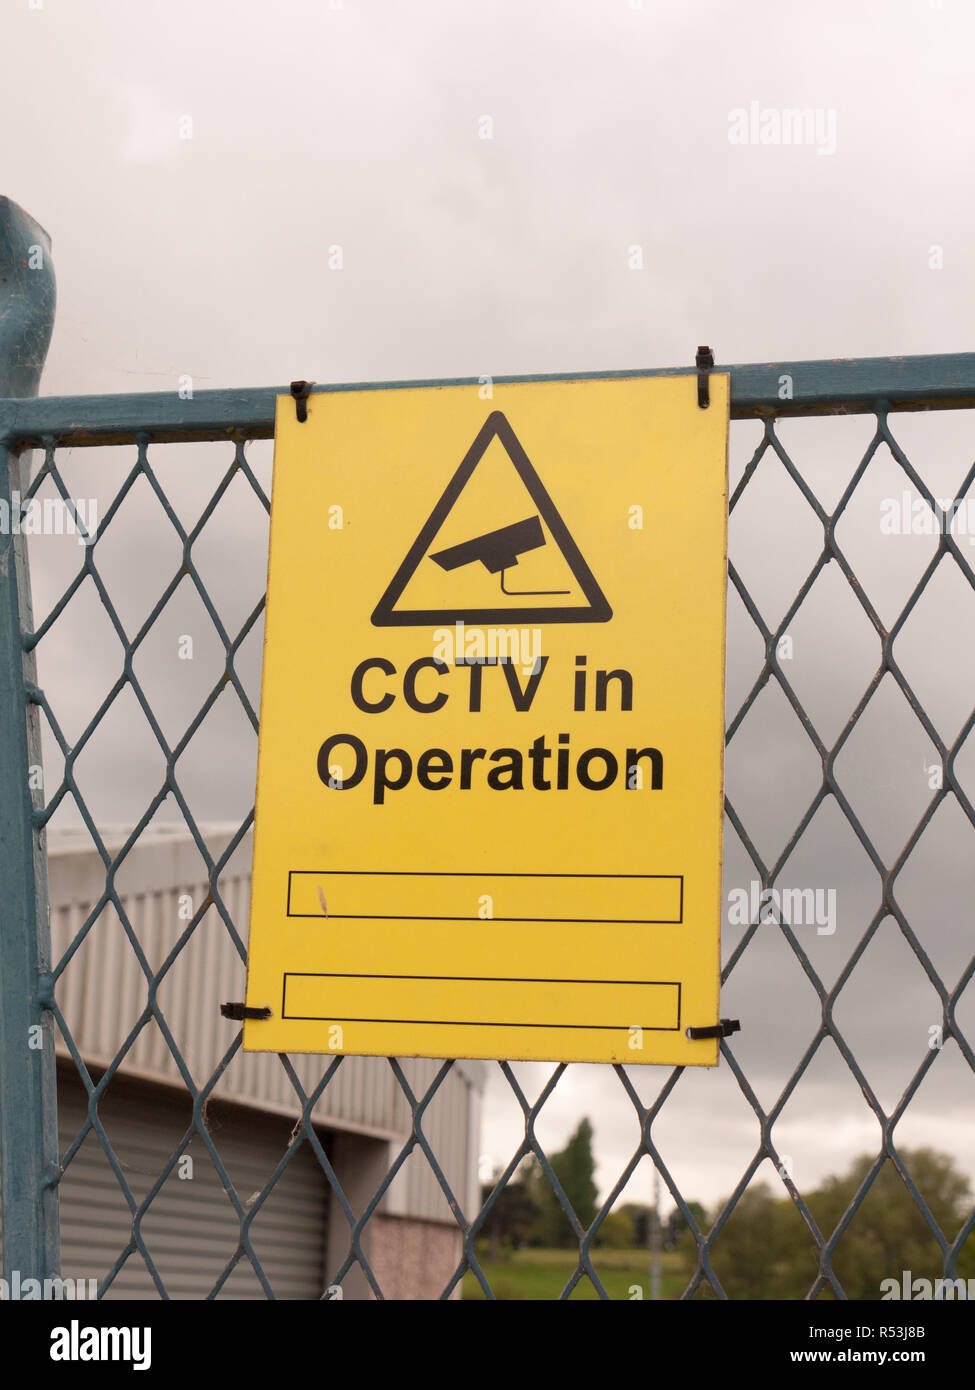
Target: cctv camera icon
[(498, 551)]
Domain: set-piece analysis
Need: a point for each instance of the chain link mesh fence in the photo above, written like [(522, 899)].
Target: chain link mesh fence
[(219, 468)]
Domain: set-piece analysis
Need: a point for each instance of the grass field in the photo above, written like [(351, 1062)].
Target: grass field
[(543, 1274)]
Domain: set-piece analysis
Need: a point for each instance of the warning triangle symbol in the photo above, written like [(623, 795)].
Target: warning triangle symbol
[(494, 550)]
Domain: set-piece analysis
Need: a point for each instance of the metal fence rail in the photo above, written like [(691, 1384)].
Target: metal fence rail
[(29, 988)]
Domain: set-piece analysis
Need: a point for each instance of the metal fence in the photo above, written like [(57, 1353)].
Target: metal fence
[(32, 986)]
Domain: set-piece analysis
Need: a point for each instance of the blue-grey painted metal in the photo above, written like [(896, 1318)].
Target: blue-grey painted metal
[(842, 386), (28, 1095)]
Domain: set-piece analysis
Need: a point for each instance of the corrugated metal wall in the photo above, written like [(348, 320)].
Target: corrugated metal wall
[(103, 991), (190, 1229)]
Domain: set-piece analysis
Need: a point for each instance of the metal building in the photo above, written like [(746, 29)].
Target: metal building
[(190, 1231)]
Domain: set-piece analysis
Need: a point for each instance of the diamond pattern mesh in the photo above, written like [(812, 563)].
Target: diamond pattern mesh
[(804, 981)]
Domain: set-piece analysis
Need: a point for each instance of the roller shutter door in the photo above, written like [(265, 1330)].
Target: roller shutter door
[(190, 1230)]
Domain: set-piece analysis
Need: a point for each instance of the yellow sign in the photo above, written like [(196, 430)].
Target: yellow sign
[(489, 793)]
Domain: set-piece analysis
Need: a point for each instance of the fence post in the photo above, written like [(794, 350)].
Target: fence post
[(28, 1092)]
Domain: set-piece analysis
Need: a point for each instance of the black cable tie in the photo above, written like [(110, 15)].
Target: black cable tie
[(717, 1030), (704, 361), (239, 1012), (301, 390)]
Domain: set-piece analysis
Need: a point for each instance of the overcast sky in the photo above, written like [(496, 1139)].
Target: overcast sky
[(196, 165)]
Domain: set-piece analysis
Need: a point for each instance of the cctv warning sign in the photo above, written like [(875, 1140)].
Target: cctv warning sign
[(489, 797)]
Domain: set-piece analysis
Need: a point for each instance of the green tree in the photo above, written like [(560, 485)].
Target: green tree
[(574, 1167), (515, 1211), (766, 1250), (889, 1234), (640, 1215), (616, 1231), (676, 1230)]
